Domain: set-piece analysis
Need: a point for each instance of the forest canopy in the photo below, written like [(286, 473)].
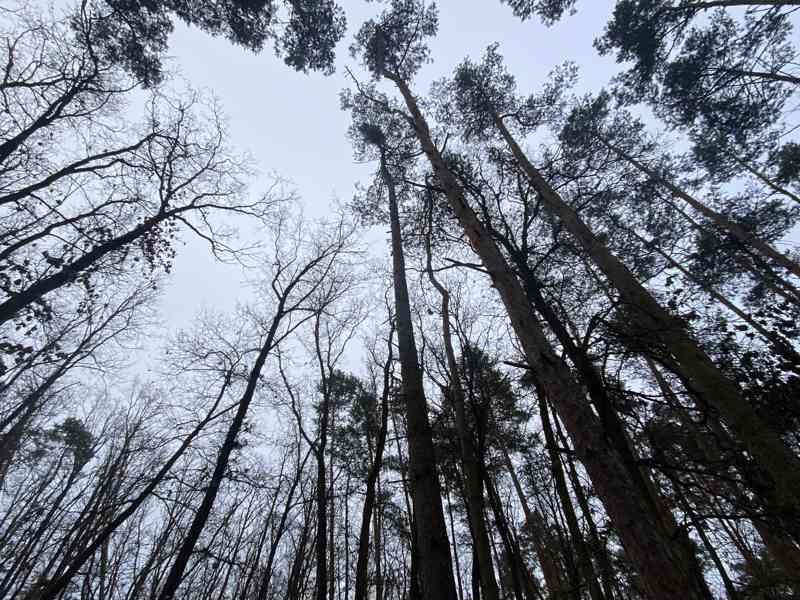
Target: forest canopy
[(547, 349)]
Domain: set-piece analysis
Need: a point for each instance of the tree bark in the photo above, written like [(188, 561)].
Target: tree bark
[(435, 565), (694, 365), (661, 569)]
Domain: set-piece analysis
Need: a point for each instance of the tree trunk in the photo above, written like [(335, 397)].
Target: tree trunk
[(606, 571), (661, 569), (33, 293), (553, 577), (695, 367), (520, 578), (581, 549), (436, 568), (362, 562), (263, 588), (469, 460), (320, 547), (455, 554), (720, 220)]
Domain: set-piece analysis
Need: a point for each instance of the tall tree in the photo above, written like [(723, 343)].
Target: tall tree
[(432, 545)]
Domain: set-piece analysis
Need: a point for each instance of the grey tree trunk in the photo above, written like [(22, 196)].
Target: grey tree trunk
[(432, 544)]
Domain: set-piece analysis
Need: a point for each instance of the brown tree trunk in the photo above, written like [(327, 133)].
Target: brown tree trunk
[(661, 568), (695, 367)]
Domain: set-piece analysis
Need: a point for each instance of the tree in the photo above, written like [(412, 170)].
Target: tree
[(482, 93), (549, 11), (386, 57), (726, 81), (431, 532), (135, 34), (301, 290)]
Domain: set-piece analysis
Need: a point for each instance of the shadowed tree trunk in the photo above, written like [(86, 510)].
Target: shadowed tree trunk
[(693, 364), (663, 570), (432, 545)]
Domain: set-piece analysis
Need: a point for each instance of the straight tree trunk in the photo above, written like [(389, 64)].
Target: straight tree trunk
[(433, 547), (362, 562), (606, 571), (520, 577), (455, 554), (321, 544), (263, 588), (553, 577), (470, 462), (578, 542), (777, 539)]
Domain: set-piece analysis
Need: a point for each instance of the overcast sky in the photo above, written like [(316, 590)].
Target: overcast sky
[(292, 125)]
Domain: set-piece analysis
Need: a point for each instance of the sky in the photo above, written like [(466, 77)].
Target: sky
[(291, 123)]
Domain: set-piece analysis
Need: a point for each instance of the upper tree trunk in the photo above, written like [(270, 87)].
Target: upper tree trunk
[(432, 544), (178, 567), (694, 366), (662, 570), (741, 235)]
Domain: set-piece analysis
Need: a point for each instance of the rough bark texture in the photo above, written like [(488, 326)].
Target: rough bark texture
[(661, 568), (695, 367)]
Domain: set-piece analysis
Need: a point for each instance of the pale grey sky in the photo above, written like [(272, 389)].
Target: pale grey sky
[(292, 125)]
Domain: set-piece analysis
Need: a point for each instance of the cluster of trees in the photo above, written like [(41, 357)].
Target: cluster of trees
[(579, 353)]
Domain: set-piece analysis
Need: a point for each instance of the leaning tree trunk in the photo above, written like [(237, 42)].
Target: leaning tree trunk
[(694, 366), (186, 549), (742, 236), (663, 571)]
